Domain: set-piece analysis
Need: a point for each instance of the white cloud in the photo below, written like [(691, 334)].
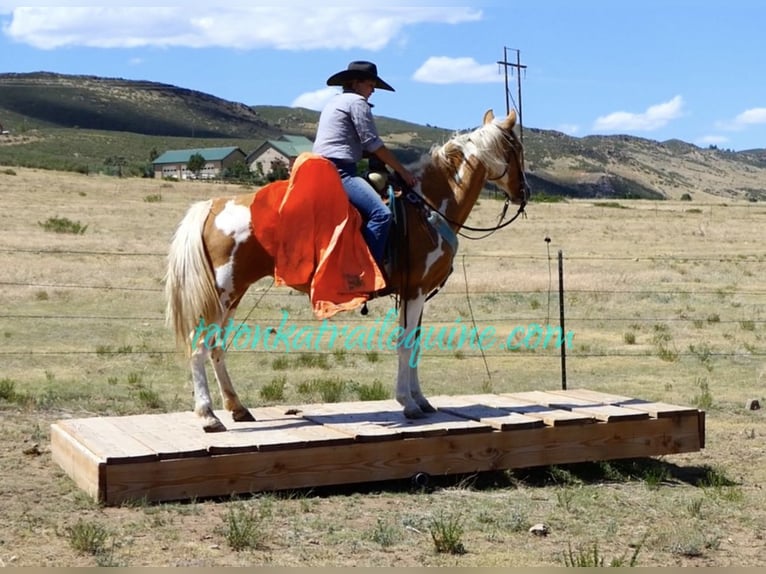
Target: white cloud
[(291, 26), (444, 70), (653, 118), (314, 100), (751, 117)]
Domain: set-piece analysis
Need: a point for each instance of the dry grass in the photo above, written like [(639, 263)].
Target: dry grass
[(83, 334)]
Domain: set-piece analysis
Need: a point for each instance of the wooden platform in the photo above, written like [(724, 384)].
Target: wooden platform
[(160, 457)]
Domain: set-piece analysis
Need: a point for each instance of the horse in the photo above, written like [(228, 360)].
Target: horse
[(214, 258)]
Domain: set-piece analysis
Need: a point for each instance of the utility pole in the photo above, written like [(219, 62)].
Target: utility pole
[(519, 66)]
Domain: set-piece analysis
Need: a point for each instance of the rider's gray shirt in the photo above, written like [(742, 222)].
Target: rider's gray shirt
[(346, 129)]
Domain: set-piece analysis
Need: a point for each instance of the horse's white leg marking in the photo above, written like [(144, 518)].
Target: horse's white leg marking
[(203, 405), (407, 375), (408, 392)]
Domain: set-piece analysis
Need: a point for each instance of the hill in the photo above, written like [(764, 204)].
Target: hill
[(78, 122)]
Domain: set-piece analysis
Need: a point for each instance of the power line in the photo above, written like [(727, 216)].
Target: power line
[(519, 67)]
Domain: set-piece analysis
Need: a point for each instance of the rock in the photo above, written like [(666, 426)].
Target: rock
[(540, 529), (753, 405), (33, 450)]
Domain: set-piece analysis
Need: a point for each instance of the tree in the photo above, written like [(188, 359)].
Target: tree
[(239, 171), (196, 164), (278, 170), (116, 161)]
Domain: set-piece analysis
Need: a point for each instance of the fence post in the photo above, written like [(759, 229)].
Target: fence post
[(561, 321)]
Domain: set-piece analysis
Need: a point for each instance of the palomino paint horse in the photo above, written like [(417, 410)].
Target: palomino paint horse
[(214, 258)]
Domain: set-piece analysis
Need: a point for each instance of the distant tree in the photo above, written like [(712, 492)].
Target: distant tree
[(117, 162), (196, 164), (278, 170), (153, 154), (239, 171)]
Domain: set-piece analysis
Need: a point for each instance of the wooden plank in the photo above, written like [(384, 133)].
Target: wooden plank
[(274, 429), (654, 409), (106, 441), (168, 437), (593, 396), (602, 441), (574, 403), (472, 407), (659, 409), (84, 467), (551, 416), (609, 413), (385, 420), (185, 478)]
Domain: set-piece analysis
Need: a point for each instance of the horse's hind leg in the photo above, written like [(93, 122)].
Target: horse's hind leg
[(203, 405), (229, 396), (213, 348)]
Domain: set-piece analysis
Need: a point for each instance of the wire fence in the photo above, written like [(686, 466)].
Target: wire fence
[(749, 306)]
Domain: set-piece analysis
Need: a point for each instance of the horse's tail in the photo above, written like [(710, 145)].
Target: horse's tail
[(190, 290)]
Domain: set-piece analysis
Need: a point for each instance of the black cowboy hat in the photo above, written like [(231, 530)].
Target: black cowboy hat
[(359, 70)]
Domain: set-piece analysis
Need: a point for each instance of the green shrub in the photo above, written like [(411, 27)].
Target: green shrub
[(63, 225), (447, 533), (88, 537), (274, 390), (243, 527), (372, 392)]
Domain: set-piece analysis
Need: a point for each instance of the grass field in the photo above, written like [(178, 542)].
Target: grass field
[(666, 301)]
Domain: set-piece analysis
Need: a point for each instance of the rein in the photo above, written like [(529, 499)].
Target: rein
[(488, 230)]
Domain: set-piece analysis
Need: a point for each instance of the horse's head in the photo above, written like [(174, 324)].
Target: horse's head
[(507, 168)]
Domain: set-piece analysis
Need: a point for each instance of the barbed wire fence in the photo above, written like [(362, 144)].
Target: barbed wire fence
[(575, 317)]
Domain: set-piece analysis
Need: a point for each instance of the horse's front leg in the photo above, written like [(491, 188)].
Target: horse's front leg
[(408, 392)]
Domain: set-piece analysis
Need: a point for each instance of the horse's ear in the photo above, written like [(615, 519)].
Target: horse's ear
[(508, 123), (488, 116)]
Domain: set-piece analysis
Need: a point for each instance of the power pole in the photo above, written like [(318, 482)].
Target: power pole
[(519, 67)]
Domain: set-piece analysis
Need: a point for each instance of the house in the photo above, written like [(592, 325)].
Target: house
[(173, 163), (284, 150)]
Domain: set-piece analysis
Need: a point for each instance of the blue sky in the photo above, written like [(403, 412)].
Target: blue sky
[(659, 69)]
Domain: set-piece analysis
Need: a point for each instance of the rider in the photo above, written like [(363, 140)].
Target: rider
[(346, 132)]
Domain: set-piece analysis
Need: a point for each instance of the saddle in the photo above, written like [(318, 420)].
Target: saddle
[(393, 191)]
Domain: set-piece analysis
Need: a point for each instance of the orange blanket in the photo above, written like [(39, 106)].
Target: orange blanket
[(308, 225)]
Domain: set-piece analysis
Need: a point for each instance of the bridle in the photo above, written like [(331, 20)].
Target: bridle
[(500, 223)]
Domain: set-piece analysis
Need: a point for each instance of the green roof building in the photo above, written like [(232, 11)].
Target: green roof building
[(173, 163), (284, 150)]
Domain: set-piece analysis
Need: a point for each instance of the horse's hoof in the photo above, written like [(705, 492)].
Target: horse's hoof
[(243, 416), (214, 426), (426, 407), (413, 412)]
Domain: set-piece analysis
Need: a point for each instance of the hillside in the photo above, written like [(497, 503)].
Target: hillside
[(77, 122)]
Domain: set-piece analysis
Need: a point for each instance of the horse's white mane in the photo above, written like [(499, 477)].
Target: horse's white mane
[(484, 143)]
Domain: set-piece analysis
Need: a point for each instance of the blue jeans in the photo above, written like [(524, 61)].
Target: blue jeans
[(376, 214)]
